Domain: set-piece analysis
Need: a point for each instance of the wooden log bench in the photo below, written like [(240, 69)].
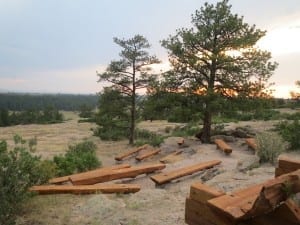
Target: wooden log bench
[(223, 146), (122, 156), (170, 157), (131, 172), (251, 143), (59, 180), (86, 189), (147, 154), (163, 178)]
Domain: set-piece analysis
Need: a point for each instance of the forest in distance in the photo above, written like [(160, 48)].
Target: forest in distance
[(29, 101)]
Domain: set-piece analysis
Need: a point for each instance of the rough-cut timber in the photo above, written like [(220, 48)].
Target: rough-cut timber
[(115, 174), (286, 165), (202, 193), (59, 180), (196, 210), (170, 157), (131, 152), (169, 176), (180, 141), (86, 189), (223, 146), (147, 154), (251, 143), (257, 200)]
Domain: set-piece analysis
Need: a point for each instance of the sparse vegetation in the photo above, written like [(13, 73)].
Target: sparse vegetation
[(290, 132), (147, 137), (19, 170), (269, 146), (79, 158)]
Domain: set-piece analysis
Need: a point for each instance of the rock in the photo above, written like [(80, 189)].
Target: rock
[(223, 137), (248, 163)]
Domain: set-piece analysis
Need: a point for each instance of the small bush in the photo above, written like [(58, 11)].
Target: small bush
[(185, 131), (290, 132), (147, 137), (79, 158), (270, 145), (19, 170)]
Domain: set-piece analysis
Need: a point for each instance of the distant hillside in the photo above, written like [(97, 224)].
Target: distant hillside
[(26, 101)]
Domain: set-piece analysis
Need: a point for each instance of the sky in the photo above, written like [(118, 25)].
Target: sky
[(56, 46)]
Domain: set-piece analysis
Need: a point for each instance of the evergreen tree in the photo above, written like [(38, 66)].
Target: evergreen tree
[(131, 72), (218, 58)]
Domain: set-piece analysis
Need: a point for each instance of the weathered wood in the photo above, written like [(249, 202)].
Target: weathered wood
[(199, 213), (170, 157), (168, 176), (132, 172), (121, 156), (223, 146), (147, 154), (286, 165), (180, 141), (251, 143), (59, 180), (287, 213), (202, 193), (257, 200), (86, 189)]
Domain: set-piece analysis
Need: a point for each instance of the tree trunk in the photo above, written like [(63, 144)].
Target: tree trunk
[(132, 111), (206, 132)]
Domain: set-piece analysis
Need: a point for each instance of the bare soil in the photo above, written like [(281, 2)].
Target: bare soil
[(153, 205)]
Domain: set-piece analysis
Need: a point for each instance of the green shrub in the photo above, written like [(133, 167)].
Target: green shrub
[(79, 158), (270, 145), (147, 137), (19, 170), (185, 131), (290, 133)]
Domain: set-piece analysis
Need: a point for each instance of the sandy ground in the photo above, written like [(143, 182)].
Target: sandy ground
[(153, 205)]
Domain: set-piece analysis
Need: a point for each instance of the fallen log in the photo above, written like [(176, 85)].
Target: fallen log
[(86, 189), (59, 180), (257, 200), (107, 175), (223, 146), (147, 154), (131, 152), (169, 176), (251, 143)]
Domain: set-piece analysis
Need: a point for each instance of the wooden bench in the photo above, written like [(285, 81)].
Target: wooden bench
[(171, 157), (251, 143), (172, 175), (122, 156), (147, 154), (223, 146), (86, 189), (59, 180), (131, 172)]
